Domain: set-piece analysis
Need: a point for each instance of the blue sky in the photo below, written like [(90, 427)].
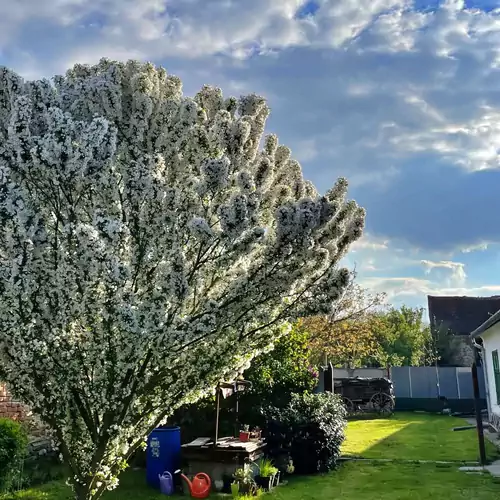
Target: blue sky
[(401, 97)]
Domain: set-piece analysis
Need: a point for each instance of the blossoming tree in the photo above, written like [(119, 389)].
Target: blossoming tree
[(148, 249)]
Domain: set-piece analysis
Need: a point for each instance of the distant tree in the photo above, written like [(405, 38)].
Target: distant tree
[(393, 337), (345, 337), (442, 347), (402, 337), (348, 343)]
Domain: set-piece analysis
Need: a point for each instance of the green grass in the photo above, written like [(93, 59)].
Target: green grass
[(388, 481), (403, 436), (353, 481), (413, 436)]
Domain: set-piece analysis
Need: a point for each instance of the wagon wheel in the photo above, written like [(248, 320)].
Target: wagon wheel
[(348, 404), (382, 403)]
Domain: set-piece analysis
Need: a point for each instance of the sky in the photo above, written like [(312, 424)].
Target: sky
[(402, 98)]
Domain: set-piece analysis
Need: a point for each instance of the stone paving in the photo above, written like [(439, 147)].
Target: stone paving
[(493, 469), (493, 437)]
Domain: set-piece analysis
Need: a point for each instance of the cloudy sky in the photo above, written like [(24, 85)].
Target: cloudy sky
[(400, 97)]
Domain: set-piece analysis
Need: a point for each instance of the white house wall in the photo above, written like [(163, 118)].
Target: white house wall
[(491, 341)]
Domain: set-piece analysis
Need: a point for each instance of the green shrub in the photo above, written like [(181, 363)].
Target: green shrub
[(285, 369), (274, 375), (13, 447), (310, 430)]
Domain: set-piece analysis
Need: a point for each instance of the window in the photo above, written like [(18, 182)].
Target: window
[(496, 373)]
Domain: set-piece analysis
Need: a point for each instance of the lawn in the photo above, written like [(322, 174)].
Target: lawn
[(404, 436), (413, 436), (354, 481), (387, 481)]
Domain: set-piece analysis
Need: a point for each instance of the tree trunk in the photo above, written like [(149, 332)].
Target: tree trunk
[(82, 492)]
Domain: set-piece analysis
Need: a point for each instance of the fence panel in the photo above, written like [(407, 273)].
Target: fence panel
[(448, 382), (423, 382), (359, 372), (403, 387), (465, 383), (416, 387)]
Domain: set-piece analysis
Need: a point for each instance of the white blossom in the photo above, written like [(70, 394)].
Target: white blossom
[(148, 250)]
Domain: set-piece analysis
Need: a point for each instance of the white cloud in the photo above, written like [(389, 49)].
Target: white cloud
[(192, 28), (305, 150), (437, 94), (456, 269), (368, 265), (367, 242), (394, 268), (406, 287), (477, 247)]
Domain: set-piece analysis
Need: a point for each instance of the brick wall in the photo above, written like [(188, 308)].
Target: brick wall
[(9, 407), (40, 444)]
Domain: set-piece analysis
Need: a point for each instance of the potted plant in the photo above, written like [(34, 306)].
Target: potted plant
[(267, 473), (245, 434), (244, 477), (256, 434)]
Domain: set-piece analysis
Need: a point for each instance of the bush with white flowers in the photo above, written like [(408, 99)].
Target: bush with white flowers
[(148, 249)]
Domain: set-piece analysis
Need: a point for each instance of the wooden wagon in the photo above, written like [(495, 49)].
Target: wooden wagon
[(366, 394)]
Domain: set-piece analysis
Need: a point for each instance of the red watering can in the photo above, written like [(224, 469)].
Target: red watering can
[(200, 486)]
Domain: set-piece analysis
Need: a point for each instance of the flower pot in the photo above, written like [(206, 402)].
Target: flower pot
[(235, 490), (266, 483), (245, 488), (244, 436)]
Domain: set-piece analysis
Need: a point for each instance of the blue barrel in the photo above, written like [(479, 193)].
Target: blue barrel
[(163, 453)]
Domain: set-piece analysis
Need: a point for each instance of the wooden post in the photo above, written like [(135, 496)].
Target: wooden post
[(479, 417), (329, 378), (217, 417), (458, 384), (237, 412)]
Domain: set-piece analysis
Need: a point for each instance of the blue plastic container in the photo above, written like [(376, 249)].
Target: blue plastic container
[(163, 453)]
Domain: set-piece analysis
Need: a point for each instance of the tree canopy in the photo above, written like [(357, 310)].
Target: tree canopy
[(148, 250)]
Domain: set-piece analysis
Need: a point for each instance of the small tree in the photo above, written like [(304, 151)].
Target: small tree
[(286, 368), (148, 249), (442, 346), (356, 302)]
